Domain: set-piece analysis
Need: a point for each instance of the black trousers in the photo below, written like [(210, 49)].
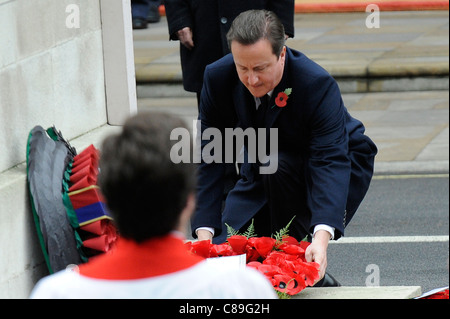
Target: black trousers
[(285, 191)]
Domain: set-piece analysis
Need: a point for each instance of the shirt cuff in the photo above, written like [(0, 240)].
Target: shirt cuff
[(210, 229), (324, 227)]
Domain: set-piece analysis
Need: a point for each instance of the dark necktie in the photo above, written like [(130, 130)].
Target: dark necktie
[(261, 112)]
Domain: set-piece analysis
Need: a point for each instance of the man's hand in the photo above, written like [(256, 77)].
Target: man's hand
[(317, 251), (204, 234), (186, 38)]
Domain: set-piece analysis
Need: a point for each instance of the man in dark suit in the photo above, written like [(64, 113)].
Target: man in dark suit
[(324, 162), (202, 25)]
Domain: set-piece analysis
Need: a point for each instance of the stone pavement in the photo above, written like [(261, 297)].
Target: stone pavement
[(382, 292), (393, 78)]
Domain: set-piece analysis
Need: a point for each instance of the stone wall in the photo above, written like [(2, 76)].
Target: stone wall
[(52, 72)]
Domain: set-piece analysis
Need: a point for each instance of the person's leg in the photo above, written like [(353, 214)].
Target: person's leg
[(261, 223), (286, 195), (286, 192), (139, 12), (153, 13)]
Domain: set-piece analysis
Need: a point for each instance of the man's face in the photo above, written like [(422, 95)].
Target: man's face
[(258, 68)]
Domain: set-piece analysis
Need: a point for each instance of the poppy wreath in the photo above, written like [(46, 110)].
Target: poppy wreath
[(280, 258)]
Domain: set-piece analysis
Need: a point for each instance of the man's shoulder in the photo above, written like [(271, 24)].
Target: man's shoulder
[(305, 74), (224, 67), (303, 66), (224, 62), (221, 75)]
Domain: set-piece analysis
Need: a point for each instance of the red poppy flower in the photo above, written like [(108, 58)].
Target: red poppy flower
[(290, 240), (264, 245), (275, 258), (292, 249), (251, 241), (201, 248), (269, 270), (254, 264), (309, 271), (238, 243), (286, 284), (279, 257), (220, 250), (281, 99), (252, 254), (304, 244)]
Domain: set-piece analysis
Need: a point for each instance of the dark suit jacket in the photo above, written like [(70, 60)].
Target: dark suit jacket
[(210, 21), (315, 125)]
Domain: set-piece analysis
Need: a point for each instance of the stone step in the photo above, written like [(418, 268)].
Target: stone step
[(387, 292)]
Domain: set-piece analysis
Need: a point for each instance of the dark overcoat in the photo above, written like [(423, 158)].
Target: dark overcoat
[(334, 153), (210, 21)]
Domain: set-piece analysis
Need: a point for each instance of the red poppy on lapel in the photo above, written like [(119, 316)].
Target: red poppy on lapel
[(282, 97)]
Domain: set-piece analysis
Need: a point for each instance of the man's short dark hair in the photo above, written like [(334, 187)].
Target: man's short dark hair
[(253, 25), (144, 190)]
